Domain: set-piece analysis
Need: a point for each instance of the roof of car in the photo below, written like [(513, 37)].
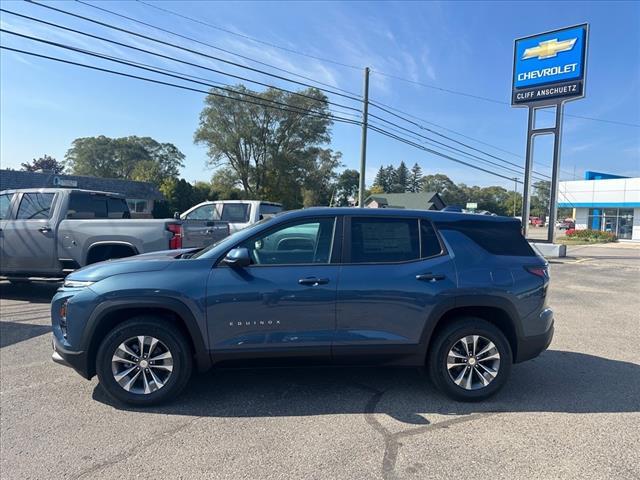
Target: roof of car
[(55, 190), (394, 212)]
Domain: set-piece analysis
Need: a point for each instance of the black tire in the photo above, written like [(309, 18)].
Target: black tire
[(444, 342), (169, 335)]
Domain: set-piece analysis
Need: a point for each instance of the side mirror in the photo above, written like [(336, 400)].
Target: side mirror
[(238, 257), (176, 215)]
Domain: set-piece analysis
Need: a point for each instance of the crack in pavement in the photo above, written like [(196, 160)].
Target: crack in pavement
[(391, 440), (91, 471)]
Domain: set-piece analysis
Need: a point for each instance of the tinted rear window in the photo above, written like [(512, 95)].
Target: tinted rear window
[(429, 243), (497, 238), (384, 240), (117, 208), (235, 212), (85, 205)]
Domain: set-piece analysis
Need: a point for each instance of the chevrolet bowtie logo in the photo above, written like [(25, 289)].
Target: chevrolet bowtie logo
[(549, 49)]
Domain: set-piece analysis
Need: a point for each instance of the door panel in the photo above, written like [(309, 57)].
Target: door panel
[(265, 307), (30, 240), (387, 304), (284, 302), (387, 288)]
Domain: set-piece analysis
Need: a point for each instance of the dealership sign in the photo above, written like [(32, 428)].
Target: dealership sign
[(550, 66)]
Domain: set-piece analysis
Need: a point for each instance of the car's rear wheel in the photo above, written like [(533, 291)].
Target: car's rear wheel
[(470, 359), (144, 361)]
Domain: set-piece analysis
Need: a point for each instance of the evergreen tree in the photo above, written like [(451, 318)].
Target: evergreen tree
[(390, 175), (415, 179), (381, 178), (401, 180)]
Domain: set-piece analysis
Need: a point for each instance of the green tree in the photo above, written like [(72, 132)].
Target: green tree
[(272, 153), (44, 163), (400, 182), (347, 187), (132, 158), (540, 198), (450, 193), (415, 179), (381, 180)]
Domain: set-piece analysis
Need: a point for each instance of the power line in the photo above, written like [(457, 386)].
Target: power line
[(444, 144), (447, 137), (496, 101), (168, 57), (169, 84), (445, 128), (387, 109), (176, 75), (447, 148), (247, 37), (388, 75), (195, 40), (184, 87), (196, 52), (421, 147)]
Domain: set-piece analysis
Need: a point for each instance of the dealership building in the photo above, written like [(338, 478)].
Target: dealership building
[(604, 202)]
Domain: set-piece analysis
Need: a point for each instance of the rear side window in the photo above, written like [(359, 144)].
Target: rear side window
[(117, 208), (235, 212), (429, 243), (5, 203), (85, 205), (497, 238), (384, 240), (267, 210), (35, 206)]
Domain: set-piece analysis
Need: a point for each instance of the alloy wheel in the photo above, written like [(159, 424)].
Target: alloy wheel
[(473, 362), (142, 365)]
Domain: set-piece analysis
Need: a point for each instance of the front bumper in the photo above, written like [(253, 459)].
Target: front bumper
[(68, 358)]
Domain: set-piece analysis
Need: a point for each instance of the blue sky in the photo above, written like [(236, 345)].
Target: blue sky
[(459, 46)]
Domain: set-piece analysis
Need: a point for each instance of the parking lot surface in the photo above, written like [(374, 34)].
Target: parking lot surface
[(574, 412)]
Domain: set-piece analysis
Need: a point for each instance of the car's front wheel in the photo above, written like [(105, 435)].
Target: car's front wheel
[(470, 359), (144, 361)]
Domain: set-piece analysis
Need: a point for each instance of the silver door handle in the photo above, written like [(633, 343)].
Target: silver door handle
[(46, 229)]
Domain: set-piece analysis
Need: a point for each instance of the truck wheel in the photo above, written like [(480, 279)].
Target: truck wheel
[(470, 359), (144, 361)]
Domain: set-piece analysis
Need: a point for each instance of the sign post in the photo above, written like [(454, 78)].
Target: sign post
[(549, 69)]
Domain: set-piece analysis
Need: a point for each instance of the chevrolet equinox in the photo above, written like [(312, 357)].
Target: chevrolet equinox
[(464, 295)]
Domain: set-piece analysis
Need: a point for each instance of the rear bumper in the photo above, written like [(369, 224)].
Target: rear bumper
[(68, 358), (531, 347)]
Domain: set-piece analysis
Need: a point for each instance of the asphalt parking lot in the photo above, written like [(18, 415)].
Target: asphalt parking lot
[(574, 412)]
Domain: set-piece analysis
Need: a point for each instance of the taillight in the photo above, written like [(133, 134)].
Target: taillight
[(541, 272), (176, 241)]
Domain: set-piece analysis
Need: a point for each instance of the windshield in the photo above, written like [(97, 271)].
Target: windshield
[(232, 238)]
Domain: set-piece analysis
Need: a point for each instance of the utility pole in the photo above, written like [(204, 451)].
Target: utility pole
[(515, 194), (363, 146)]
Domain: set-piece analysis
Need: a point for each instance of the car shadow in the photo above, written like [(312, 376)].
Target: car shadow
[(34, 292), (13, 332), (557, 381)]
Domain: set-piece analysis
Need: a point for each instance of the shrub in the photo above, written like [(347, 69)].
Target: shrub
[(591, 235)]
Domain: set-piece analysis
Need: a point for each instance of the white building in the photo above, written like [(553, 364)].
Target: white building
[(604, 202)]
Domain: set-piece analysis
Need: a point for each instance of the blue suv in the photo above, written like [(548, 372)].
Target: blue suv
[(464, 295)]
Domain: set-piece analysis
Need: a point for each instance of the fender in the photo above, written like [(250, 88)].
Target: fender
[(201, 354), (459, 301)]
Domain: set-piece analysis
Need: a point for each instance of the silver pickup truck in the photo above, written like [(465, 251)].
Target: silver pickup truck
[(49, 232)]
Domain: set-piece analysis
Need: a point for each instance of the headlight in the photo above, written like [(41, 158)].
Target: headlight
[(77, 283)]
